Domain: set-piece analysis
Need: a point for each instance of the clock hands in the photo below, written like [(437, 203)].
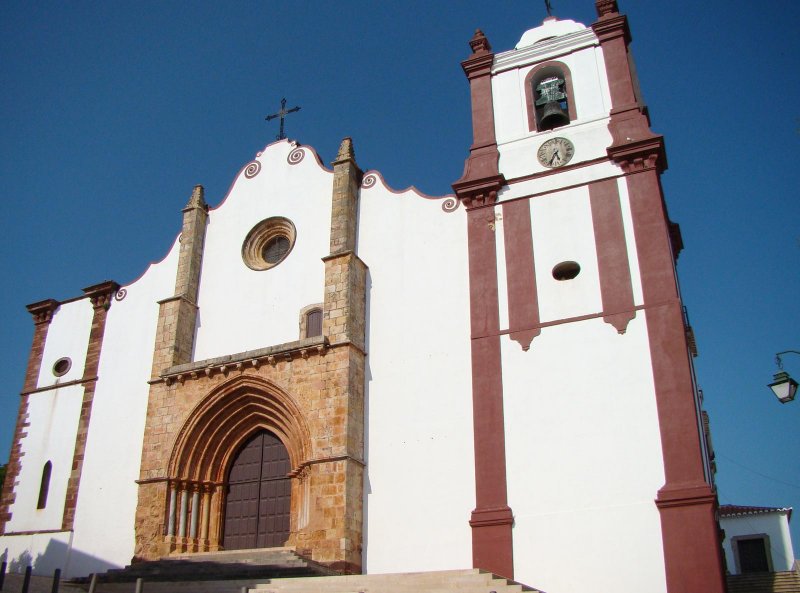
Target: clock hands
[(555, 152)]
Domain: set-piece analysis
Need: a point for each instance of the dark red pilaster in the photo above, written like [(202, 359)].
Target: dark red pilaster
[(612, 254), (101, 296), (687, 502), (492, 518), (523, 297), (491, 521)]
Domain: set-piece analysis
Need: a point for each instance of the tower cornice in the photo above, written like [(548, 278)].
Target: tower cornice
[(612, 26), (553, 48), (640, 155)]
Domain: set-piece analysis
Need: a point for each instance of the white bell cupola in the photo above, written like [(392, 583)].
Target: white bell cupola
[(552, 84)]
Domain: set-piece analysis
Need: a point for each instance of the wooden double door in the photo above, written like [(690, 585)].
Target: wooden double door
[(258, 498)]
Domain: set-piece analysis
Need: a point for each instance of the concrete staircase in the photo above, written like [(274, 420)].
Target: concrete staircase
[(222, 571), (447, 581), (765, 582)]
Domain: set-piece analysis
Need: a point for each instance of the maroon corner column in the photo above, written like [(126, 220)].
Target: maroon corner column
[(42, 313), (492, 519), (100, 296), (687, 502)]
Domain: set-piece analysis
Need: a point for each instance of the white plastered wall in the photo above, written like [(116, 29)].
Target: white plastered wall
[(67, 336), (584, 459), (582, 436), (104, 517), (775, 525), (53, 418), (43, 552), (419, 490), (242, 309), (53, 421), (562, 231)]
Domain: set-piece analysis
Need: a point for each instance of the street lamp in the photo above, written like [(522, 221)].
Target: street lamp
[(783, 386)]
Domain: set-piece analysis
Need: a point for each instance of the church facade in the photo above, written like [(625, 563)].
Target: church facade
[(387, 381)]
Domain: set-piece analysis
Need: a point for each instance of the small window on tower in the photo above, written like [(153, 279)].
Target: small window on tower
[(311, 321), (314, 323), (552, 107), (44, 487)]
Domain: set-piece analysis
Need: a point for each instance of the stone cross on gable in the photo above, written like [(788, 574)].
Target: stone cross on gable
[(282, 114)]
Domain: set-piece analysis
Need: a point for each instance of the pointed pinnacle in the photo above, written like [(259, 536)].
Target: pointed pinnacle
[(606, 7), (197, 199), (346, 151), (479, 43)]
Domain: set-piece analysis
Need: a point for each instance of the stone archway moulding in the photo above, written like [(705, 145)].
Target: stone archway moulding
[(225, 418)]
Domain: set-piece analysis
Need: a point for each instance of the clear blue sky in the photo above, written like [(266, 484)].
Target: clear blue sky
[(111, 112)]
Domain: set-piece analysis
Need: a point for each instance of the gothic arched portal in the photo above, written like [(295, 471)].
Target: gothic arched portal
[(233, 472)]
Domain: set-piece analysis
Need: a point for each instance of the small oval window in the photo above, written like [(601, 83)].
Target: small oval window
[(61, 366), (566, 270)]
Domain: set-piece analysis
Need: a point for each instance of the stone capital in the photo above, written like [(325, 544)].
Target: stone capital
[(479, 192), (42, 311), (640, 155), (101, 294)]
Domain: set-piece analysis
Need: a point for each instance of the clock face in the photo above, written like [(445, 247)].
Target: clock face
[(556, 152)]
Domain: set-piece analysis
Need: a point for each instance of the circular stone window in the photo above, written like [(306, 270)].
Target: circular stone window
[(62, 366), (268, 244), (566, 270)]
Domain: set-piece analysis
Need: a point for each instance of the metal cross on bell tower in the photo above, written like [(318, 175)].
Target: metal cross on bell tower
[(282, 114)]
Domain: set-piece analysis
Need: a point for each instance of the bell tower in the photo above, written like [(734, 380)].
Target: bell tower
[(584, 397)]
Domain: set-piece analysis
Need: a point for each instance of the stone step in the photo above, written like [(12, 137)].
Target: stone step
[(427, 576), (232, 586), (770, 582), (454, 581), (248, 555), (247, 565), (466, 581)]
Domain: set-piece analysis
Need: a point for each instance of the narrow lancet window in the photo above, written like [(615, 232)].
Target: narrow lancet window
[(314, 323), (44, 488)]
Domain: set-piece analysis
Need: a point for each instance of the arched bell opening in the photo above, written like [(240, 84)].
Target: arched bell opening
[(550, 97), (206, 451)]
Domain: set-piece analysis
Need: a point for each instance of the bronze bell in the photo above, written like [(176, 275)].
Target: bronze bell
[(553, 116)]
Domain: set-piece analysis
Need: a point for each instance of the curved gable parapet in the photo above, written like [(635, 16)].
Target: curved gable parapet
[(153, 265), (371, 177), (299, 152), (273, 155)]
